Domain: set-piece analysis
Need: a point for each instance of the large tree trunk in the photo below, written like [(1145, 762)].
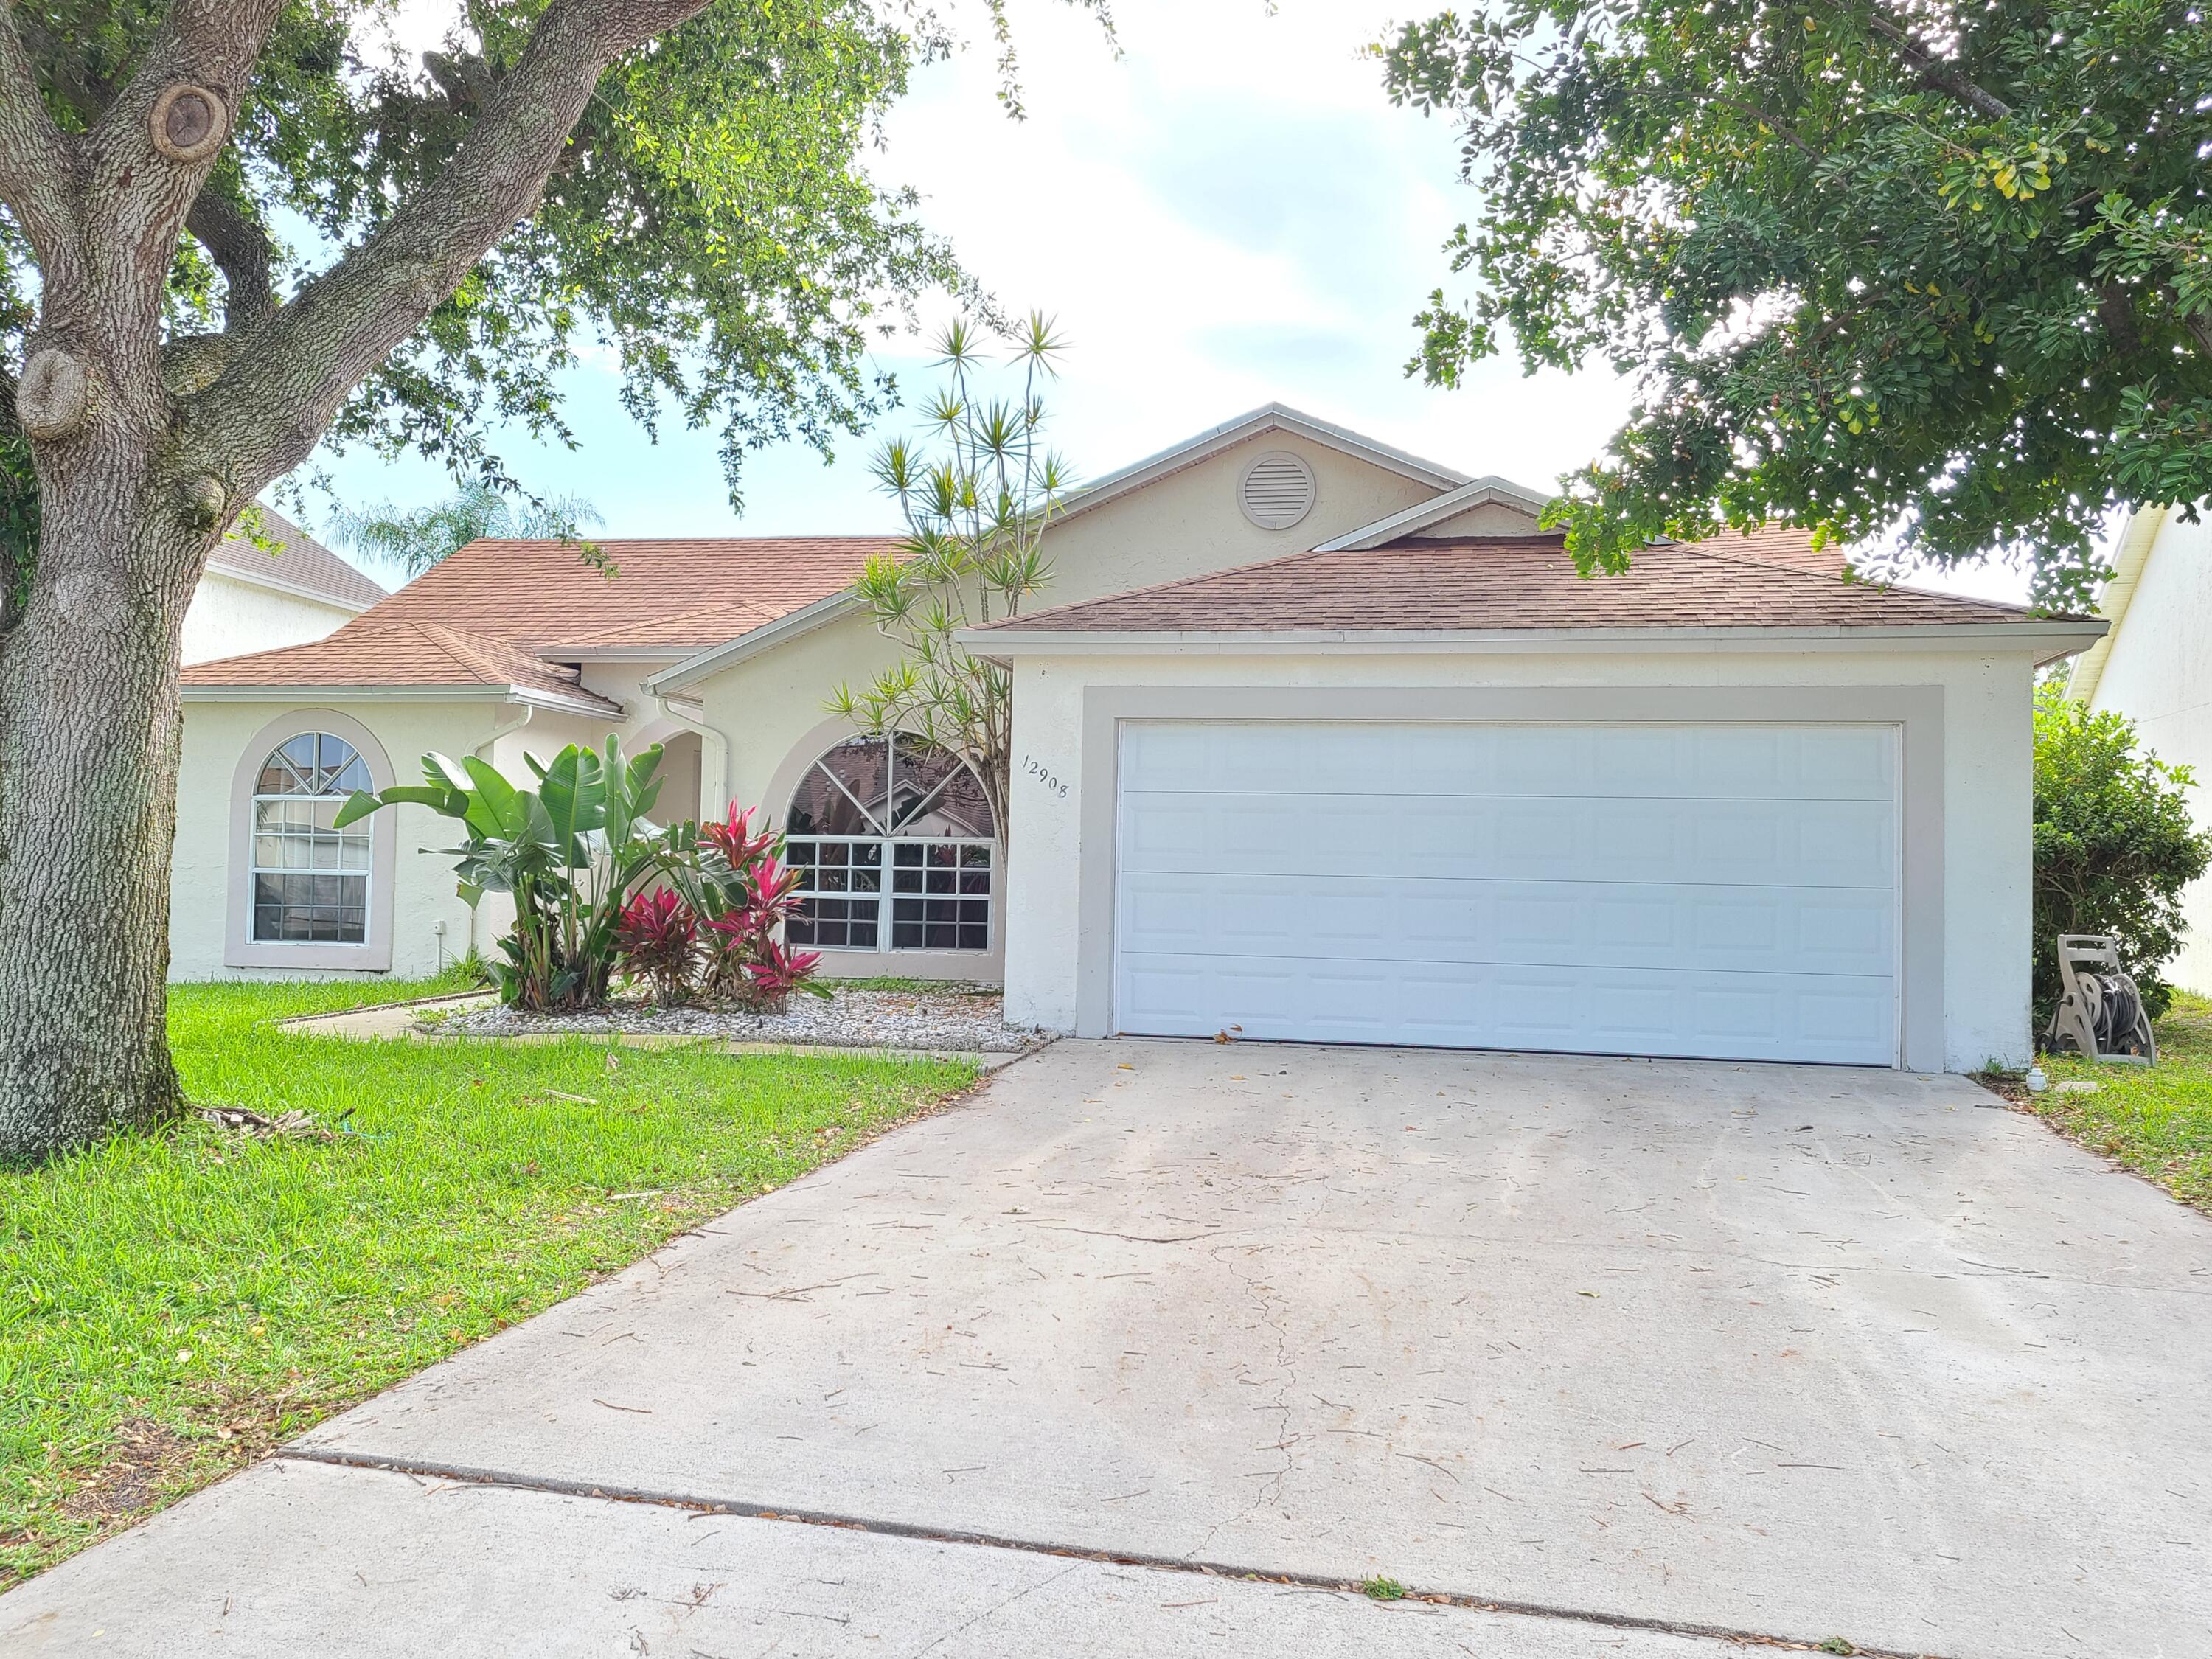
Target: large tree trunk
[(89, 737), (145, 451)]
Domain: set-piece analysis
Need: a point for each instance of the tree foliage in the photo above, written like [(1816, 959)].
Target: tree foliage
[(413, 540), (976, 510), (1926, 267), (2114, 844), (710, 224)]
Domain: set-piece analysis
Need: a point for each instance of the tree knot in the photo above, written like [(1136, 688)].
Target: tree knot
[(189, 123)]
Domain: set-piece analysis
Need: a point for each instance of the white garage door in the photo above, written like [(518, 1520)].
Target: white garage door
[(1726, 891)]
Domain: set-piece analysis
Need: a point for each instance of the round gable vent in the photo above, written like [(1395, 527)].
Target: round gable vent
[(1277, 490)]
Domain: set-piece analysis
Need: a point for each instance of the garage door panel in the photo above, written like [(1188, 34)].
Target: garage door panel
[(1695, 891), (1831, 843), (1529, 924), (1630, 1012), (1716, 761)]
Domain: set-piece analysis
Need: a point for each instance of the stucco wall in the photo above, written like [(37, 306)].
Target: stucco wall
[(217, 735), (229, 618), (1984, 820), (2159, 674), (766, 707)]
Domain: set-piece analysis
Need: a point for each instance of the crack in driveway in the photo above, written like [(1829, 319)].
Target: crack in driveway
[(606, 1492)]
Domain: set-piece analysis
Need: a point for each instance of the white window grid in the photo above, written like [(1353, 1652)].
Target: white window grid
[(310, 879), (889, 893)]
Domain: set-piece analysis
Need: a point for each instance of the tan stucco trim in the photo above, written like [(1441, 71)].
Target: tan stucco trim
[(2136, 539), (1917, 710), (240, 948)]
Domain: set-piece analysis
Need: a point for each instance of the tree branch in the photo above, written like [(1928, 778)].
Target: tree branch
[(34, 156), (241, 252), (293, 370), (1936, 71)]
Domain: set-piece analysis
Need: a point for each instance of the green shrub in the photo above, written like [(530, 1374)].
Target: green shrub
[(2114, 844)]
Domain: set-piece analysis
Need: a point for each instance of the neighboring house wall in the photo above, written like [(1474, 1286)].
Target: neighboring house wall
[(2156, 669), (1062, 846), (229, 618)]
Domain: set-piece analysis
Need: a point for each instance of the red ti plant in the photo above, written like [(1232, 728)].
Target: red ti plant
[(735, 839), (747, 895), (778, 972), (657, 941)]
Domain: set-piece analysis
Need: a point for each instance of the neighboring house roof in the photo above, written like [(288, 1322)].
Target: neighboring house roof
[(1482, 585), (511, 613), (299, 565), (2136, 539)]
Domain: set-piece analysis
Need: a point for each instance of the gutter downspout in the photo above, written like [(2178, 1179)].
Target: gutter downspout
[(484, 752), (713, 752)]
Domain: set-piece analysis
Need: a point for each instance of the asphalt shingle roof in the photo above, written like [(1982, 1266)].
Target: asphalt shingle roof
[(495, 611), (300, 561), (1770, 579)]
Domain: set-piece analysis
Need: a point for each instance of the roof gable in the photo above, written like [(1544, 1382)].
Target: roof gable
[(1255, 424), (1473, 507)]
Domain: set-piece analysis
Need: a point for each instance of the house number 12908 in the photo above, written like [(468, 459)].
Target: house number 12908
[(1046, 776)]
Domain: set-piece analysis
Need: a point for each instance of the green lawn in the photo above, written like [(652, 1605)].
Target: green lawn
[(2157, 1120), (170, 1308)]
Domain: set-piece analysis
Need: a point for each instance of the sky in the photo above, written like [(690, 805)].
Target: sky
[(1228, 212)]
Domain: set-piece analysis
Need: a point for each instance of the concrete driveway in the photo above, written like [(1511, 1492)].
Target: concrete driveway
[(1644, 1357)]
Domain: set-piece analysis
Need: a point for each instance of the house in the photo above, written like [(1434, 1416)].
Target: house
[(1315, 740), (254, 597), (2153, 666)]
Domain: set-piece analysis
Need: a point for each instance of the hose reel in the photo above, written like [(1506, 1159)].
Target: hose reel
[(2099, 1014)]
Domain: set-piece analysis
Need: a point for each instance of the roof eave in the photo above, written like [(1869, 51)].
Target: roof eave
[(2132, 555), (529, 695), (297, 590), (2048, 639)]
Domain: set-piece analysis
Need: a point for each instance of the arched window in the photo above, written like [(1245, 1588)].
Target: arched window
[(310, 881), (893, 841)]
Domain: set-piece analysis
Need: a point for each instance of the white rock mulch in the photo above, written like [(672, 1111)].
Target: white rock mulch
[(953, 1019)]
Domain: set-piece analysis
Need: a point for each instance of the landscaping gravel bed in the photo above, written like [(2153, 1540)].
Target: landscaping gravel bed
[(953, 1019)]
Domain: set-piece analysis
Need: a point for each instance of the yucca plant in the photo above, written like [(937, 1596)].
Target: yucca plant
[(976, 513), (572, 852)]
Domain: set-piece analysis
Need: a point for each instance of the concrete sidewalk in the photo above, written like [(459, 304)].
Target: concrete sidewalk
[(1782, 1352)]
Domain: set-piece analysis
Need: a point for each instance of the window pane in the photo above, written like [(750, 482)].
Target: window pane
[(820, 807), (311, 909), (844, 791), (934, 793), (313, 764)]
